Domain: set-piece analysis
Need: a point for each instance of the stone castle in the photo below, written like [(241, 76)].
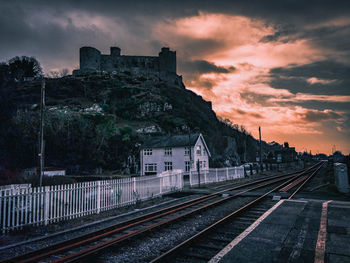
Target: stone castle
[(91, 60)]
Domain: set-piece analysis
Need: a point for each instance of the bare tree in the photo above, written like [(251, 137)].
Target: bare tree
[(64, 72)]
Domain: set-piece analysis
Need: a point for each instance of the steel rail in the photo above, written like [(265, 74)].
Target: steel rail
[(90, 237), (306, 180), (94, 249), (200, 234), (61, 246)]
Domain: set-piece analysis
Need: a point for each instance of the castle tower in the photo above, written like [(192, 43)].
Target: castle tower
[(115, 51), (167, 60), (90, 59)]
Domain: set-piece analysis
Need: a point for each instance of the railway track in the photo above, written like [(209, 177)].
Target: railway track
[(79, 248), (204, 245)]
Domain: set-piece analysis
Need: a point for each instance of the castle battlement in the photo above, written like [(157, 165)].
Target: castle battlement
[(91, 60)]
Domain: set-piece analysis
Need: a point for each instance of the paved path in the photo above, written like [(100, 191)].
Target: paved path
[(296, 231)]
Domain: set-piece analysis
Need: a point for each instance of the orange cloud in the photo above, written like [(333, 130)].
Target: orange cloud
[(244, 95)]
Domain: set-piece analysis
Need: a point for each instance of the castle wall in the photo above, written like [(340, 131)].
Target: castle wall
[(90, 59), (129, 63), (167, 60)]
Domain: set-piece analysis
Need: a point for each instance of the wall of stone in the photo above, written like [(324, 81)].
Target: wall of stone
[(167, 60), (125, 63), (90, 59)]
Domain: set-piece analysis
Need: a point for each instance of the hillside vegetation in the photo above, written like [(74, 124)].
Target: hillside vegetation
[(100, 121)]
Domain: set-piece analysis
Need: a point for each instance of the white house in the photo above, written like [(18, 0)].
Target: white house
[(184, 152)]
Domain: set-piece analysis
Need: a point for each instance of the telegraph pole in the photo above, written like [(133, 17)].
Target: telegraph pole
[(41, 133), (260, 160), (199, 175)]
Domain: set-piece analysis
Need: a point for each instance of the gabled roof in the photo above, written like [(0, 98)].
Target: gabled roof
[(171, 141)]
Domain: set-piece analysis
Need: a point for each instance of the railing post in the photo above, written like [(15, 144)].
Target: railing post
[(226, 173), (98, 197), (134, 184), (160, 184), (47, 205), (182, 181)]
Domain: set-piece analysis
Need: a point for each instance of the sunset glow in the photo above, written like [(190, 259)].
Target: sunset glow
[(244, 95)]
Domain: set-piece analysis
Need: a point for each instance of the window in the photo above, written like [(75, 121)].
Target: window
[(168, 166), (187, 150), (199, 150), (204, 152), (187, 166), (204, 164), (168, 151), (151, 167), (147, 151), (200, 164)]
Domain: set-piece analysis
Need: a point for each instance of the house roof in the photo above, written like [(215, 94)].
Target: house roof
[(171, 141)]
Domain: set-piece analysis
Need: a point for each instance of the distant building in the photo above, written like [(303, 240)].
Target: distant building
[(54, 171), (48, 171), (184, 152), (286, 154), (338, 157)]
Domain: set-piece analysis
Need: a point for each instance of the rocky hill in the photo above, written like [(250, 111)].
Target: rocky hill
[(100, 121)]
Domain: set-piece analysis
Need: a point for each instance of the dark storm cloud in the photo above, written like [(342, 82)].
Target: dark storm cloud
[(292, 11), (335, 77), (318, 116), (314, 104), (30, 27), (193, 69), (327, 37), (203, 66)]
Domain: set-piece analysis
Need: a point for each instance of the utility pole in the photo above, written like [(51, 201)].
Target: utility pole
[(41, 133), (189, 147), (260, 160), (199, 175)]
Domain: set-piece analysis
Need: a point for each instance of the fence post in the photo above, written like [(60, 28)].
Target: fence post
[(160, 185), (205, 177), (182, 181), (190, 177), (216, 174), (134, 185), (98, 199), (47, 205), (226, 173)]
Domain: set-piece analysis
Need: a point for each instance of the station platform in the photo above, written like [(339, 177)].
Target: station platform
[(294, 231)]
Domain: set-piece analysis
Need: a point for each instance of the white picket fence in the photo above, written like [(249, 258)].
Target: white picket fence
[(214, 175), (43, 205)]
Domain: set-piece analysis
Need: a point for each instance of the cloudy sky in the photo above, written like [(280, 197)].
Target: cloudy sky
[(283, 65)]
